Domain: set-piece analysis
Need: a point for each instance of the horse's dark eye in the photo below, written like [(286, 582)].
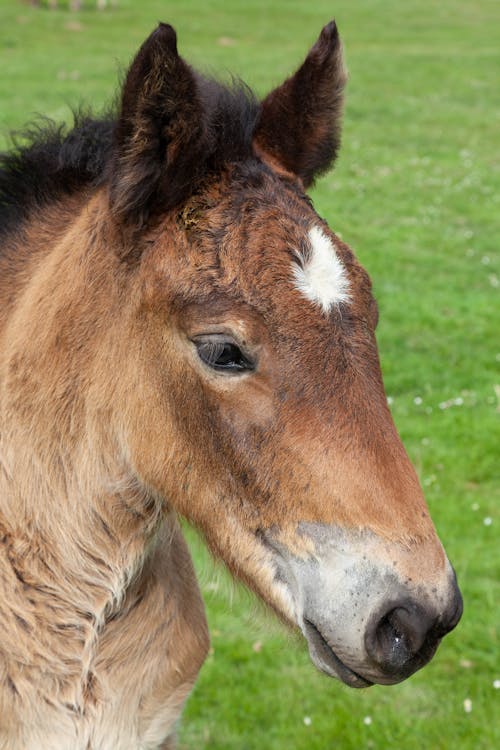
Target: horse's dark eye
[(223, 355)]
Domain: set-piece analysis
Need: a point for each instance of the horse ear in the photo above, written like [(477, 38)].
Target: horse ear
[(300, 121), (159, 133)]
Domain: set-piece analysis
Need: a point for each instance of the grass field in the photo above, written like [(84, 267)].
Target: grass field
[(416, 192)]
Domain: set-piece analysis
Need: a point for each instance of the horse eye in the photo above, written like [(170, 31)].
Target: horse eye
[(223, 355)]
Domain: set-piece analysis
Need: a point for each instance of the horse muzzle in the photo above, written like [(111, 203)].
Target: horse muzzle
[(399, 639), (367, 615)]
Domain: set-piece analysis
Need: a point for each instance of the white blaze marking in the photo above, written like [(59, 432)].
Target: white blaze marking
[(322, 277)]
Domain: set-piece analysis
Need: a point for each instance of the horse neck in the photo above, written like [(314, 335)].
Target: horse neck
[(85, 537), (75, 516)]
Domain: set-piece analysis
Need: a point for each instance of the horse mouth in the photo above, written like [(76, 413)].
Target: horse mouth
[(325, 658)]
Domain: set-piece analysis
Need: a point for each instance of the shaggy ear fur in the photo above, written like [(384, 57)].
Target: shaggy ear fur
[(299, 125), (159, 134)]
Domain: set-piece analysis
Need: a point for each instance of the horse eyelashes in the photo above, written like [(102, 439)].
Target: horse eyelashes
[(211, 351), (223, 356)]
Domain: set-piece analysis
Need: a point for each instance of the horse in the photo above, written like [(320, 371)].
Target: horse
[(182, 336)]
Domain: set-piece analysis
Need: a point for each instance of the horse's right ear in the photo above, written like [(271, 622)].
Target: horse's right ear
[(159, 133)]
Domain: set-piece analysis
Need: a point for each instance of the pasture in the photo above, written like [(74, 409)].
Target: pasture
[(416, 193)]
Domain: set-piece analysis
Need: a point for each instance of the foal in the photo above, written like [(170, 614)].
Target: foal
[(180, 333)]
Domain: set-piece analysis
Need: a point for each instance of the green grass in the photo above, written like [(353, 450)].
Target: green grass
[(417, 193)]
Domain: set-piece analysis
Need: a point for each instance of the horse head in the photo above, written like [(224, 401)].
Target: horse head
[(258, 410)]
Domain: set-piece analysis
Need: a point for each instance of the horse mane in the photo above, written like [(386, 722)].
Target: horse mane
[(48, 161)]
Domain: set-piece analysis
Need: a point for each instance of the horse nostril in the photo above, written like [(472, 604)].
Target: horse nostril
[(398, 636), (404, 635)]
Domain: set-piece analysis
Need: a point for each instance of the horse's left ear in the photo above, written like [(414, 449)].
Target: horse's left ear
[(159, 136), (300, 121)]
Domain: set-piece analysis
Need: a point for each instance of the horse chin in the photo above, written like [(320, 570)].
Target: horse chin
[(326, 660)]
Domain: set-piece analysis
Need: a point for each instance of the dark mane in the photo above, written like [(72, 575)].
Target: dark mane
[(49, 161)]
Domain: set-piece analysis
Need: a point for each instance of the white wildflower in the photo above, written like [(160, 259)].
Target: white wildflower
[(451, 402)]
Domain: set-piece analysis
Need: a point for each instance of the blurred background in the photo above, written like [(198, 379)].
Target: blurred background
[(416, 193)]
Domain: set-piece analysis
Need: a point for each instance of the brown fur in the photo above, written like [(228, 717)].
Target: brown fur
[(111, 424)]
